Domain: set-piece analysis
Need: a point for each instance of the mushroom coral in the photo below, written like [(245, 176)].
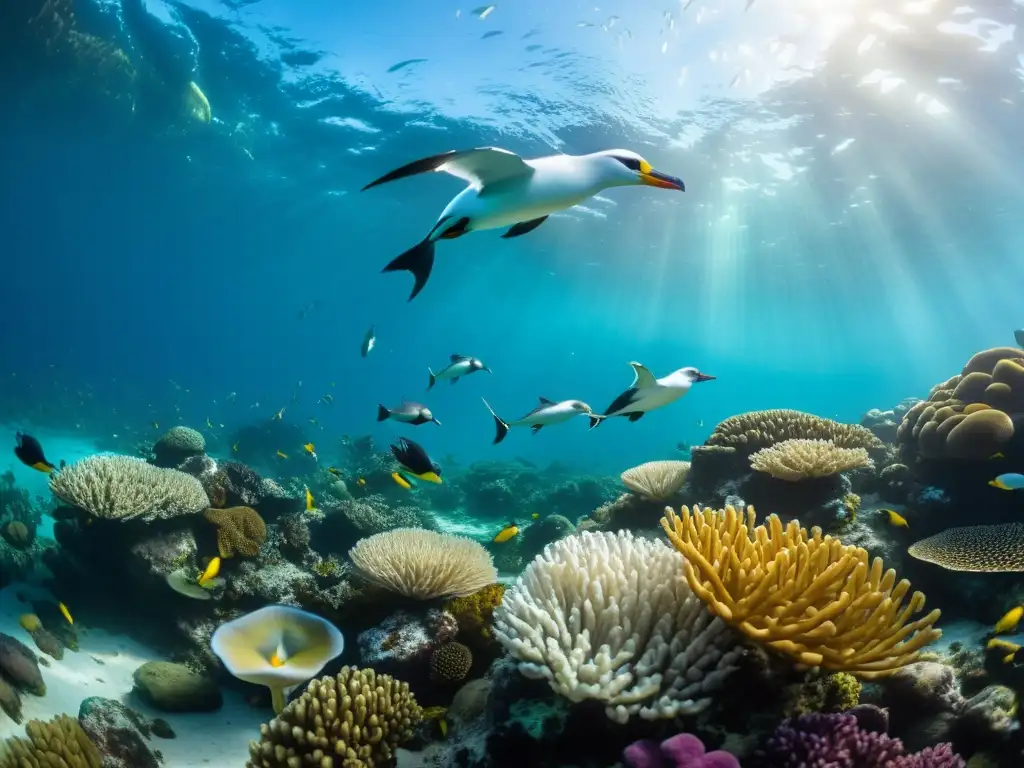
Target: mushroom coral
[(803, 594), (971, 415), (977, 548)]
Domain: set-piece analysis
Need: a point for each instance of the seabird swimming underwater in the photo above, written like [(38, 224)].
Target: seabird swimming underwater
[(507, 191), (548, 412), (648, 393)]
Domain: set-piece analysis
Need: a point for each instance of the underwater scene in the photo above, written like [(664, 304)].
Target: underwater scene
[(411, 384)]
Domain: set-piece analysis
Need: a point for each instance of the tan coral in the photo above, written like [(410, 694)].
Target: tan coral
[(795, 460), (802, 594), (59, 742), (353, 720), (240, 530), (657, 480), (759, 429), (977, 548)]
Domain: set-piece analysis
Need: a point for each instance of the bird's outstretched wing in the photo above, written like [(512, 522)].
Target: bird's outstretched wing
[(485, 165)]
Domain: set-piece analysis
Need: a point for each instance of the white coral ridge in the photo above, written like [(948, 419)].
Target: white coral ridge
[(609, 616)]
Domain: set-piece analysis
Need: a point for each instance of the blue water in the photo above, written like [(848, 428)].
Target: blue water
[(845, 240)]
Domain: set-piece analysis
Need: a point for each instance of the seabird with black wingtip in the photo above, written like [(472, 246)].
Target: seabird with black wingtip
[(504, 190), (407, 413), (544, 415), (648, 393), (458, 366)]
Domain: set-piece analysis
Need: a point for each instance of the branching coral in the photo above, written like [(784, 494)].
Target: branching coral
[(759, 429), (126, 488), (57, 742), (605, 616), (795, 460), (802, 594), (423, 564), (240, 530), (978, 548), (657, 480), (354, 720)]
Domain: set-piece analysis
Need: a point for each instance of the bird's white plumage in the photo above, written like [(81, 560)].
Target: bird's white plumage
[(488, 165)]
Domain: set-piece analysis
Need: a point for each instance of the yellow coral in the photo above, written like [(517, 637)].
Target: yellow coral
[(832, 693), (30, 622), (802, 594), (57, 742), (475, 613), (240, 530)]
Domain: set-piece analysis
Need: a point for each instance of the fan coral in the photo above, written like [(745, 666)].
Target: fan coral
[(804, 595), (354, 720), (759, 429), (605, 616), (839, 741), (971, 415), (423, 564), (240, 530), (126, 488), (795, 460), (451, 663), (475, 612), (657, 480), (58, 742), (978, 548)]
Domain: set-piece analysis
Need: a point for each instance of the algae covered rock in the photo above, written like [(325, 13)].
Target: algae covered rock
[(173, 687), (118, 732), (19, 666), (10, 701)]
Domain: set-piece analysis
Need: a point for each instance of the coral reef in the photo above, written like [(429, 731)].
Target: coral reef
[(749, 432), (177, 445), (119, 733), (240, 530), (799, 459), (681, 751), (403, 642), (657, 480), (451, 663), (475, 614), (58, 742)]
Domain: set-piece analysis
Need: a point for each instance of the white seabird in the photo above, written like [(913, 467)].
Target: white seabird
[(648, 393), (548, 412), (507, 191)]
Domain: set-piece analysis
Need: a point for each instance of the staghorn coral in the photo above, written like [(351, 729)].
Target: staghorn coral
[(971, 415), (451, 663), (59, 742), (240, 530), (353, 720), (977, 548), (475, 613), (423, 564), (604, 616), (795, 460), (751, 431), (657, 480), (126, 488), (802, 594)]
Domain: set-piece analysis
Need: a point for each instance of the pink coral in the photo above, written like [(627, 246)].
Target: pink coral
[(681, 751)]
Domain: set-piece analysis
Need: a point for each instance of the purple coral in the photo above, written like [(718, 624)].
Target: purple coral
[(838, 741), (682, 751)]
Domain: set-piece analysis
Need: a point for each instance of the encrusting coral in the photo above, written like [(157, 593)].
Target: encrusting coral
[(605, 616), (240, 530), (759, 429), (657, 480), (796, 460), (56, 743), (978, 548), (802, 594), (127, 488), (475, 613), (423, 564), (354, 720)]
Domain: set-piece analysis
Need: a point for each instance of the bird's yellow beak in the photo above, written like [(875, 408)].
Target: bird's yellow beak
[(430, 477), (653, 178)]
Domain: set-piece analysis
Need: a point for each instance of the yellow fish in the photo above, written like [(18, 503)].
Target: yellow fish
[(310, 449), (281, 455), (212, 569), (66, 613), (997, 455), (396, 476), (895, 518), (506, 533), (310, 506), (535, 516), (235, 447), (1009, 622), (443, 725), (997, 643), (362, 481), (334, 471)]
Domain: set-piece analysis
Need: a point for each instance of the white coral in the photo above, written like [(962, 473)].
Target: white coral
[(795, 460), (657, 480), (609, 616)]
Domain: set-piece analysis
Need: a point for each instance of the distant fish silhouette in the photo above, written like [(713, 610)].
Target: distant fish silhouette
[(492, 33), (404, 64)]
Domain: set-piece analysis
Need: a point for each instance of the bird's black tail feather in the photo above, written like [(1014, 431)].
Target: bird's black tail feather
[(501, 428), (595, 420), (382, 413), (419, 260)]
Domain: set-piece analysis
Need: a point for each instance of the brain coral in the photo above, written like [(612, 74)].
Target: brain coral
[(795, 460), (973, 414), (240, 530), (126, 488), (451, 663), (748, 432), (978, 548)]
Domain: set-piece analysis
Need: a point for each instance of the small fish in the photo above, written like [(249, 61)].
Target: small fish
[(313, 421), (232, 396), (156, 425), (311, 450), (997, 455), (209, 423), (443, 725), (279, 415), (895, 518), (484, 11), (998, 644), (234, 448), (335, 471), (399, 478), (1009, 621), (328, 398), (369, 340), (407, 413), (211, 571), (413, 458), (361, 482), (30, 452), (395, 68), (65, 612), (492, 33), (535, 516), (1010, 481), (282, 455), (506, 533), (310, 504), (458, 366)]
